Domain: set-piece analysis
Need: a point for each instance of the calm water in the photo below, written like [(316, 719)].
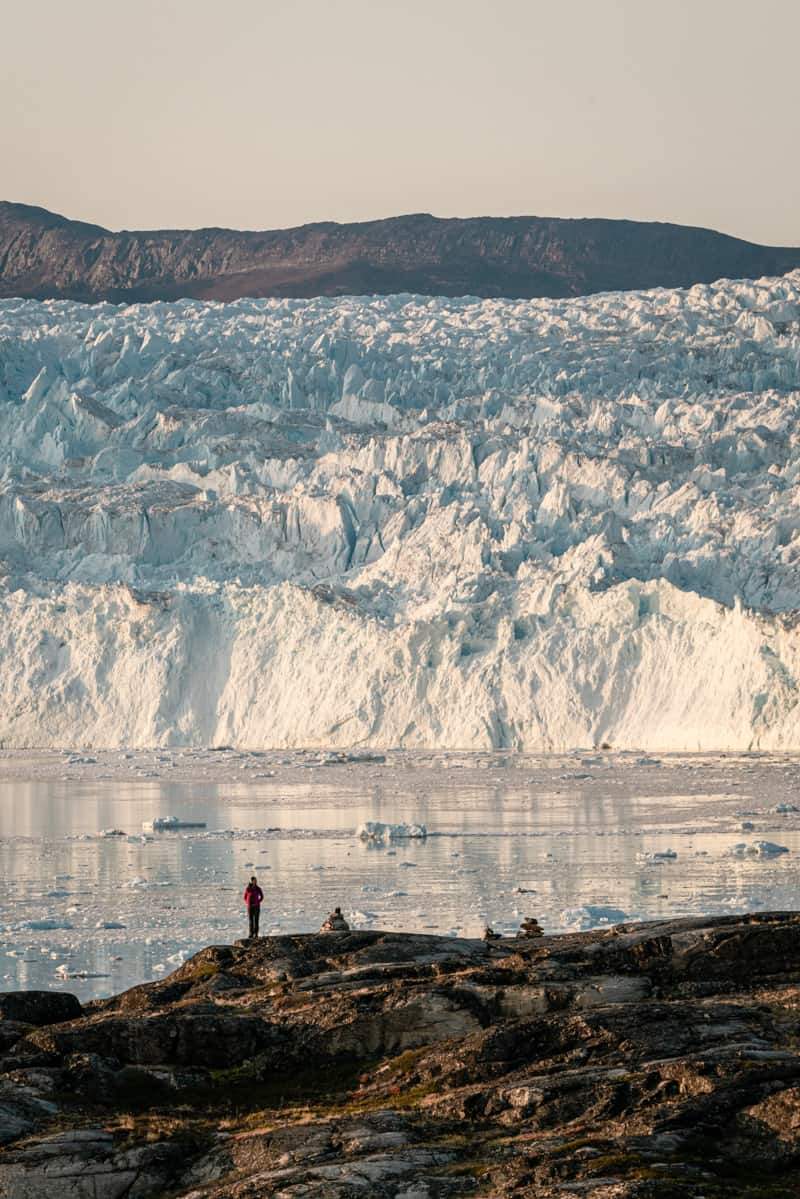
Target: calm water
[(573, 851)]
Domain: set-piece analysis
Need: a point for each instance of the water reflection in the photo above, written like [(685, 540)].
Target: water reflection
[(123, 909)]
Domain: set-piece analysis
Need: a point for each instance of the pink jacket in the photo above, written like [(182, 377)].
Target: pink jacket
[(253, 896)]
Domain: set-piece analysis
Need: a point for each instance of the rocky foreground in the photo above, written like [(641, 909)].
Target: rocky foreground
[(658, 1059)]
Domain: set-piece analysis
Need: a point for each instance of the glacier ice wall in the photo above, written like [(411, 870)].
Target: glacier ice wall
[(403, 521)]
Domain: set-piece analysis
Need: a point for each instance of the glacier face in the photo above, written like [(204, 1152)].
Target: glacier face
[(403, 521)]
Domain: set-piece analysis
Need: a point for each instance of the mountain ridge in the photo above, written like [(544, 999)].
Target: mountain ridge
[(44, 255)]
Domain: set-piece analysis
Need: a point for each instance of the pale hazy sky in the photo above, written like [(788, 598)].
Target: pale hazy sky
[(260, 114)]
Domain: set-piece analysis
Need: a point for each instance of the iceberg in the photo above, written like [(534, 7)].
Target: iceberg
[(758, 849), (169, 824), (49, 924), (656, 855), (373, 830), (410, 522), (592, 916)]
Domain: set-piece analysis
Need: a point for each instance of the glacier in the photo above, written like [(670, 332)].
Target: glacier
[(403, 522)]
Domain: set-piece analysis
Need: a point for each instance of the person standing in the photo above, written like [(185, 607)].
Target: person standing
[(253, 897)]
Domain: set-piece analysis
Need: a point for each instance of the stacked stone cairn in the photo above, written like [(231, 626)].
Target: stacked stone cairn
[(335, 923)]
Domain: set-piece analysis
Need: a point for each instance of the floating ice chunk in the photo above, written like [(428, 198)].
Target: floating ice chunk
[(374, 830), (110, 924), (592, 916), (168, 824), (648, 761), (758, 849), (48, 924), (784, 809), (657, 855), (63, 971)]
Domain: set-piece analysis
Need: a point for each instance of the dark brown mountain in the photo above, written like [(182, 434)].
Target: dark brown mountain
[(44, 255)]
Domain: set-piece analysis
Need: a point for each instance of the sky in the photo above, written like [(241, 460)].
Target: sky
[(257, 114)]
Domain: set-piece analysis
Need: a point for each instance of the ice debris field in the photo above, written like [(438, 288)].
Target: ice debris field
[(403, 521)]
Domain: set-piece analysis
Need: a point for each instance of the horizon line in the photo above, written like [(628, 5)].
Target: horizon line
[(164, 229)]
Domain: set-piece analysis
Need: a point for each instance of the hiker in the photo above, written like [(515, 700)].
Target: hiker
[(335, 923), (253, 896)]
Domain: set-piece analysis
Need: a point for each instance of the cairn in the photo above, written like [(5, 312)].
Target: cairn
[(530, 928), (335, 923)]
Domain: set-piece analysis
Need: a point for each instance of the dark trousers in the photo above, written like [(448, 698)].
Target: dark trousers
[(254, 911)]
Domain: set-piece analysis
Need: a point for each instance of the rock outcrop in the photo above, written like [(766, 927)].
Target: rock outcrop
[(43, 255), (657, 1060)]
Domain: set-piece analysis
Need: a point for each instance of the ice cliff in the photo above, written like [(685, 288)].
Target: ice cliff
[(403, 521)]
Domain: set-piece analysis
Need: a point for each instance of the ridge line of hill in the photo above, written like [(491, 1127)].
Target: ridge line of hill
[(44, 255)]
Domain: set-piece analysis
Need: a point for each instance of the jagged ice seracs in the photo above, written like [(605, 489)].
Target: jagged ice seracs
[(403, 521)]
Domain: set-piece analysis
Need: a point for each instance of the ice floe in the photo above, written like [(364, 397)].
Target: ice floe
[(374, 830), (758, 849)]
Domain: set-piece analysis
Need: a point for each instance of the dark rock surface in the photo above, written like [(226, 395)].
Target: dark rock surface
[(38, 1007), (658, 1060), (44, 255)]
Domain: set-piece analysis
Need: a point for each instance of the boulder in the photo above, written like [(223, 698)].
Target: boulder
[(39, 1007)]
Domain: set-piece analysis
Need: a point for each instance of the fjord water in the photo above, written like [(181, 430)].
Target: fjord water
[(574, 841)]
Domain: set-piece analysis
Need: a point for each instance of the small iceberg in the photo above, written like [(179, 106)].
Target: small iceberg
[(168, 824), (591, 915), (373, 830), (758, 849), (657, 855)]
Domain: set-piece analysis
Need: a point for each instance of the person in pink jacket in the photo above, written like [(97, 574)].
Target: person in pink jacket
[(253, 897)]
